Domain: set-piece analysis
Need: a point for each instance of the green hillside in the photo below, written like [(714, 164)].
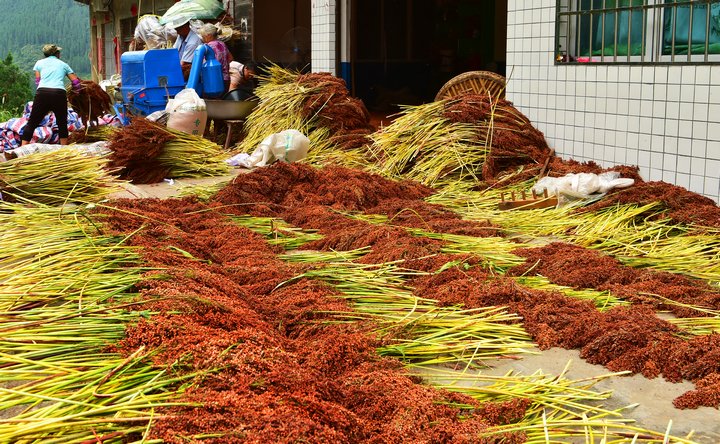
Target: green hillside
[(29, 24)]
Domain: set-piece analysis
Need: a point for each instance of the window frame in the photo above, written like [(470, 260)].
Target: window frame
[(567, 29)]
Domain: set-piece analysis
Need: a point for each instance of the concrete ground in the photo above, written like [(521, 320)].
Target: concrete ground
[(172, 188), (653, 396)]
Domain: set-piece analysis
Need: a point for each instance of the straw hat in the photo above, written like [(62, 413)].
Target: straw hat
[(51, 49)]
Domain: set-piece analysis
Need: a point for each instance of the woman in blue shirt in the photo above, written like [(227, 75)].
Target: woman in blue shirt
[(50, 96)]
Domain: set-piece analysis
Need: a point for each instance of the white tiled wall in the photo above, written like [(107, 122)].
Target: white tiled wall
[(323, 35), (665, 119)]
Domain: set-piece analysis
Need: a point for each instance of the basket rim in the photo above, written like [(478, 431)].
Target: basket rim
[(482, 75)]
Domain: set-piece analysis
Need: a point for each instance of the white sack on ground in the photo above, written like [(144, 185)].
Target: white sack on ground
[(581, 185), (286, 146), (98, 149), (187, 112)]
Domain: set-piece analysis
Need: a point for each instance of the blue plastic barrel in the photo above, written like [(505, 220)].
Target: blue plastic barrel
[(212, 76)]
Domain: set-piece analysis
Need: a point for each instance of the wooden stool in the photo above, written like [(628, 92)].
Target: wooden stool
[(230, 125)]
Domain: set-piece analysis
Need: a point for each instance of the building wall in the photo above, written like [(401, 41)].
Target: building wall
[(663, 118), (324, 54), (115, 25)]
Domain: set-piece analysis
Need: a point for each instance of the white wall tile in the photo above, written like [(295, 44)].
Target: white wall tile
[(713, 130), (683, 164), (697, 166), (631, 157), (682, 180), (664, 118), (712, 168), (620, 155), (712, 185), (697, 183), (699, 130), (699, 149), (675, 75), (713, 150), (702, 75), (688, 75), (672, 93), (714, 94)]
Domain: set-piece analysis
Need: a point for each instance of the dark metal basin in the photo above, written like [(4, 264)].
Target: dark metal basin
[(229, 109)]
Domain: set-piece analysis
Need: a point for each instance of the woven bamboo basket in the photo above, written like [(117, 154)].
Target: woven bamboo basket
[(475, 82)]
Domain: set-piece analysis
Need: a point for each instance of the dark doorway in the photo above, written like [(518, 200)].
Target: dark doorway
[(403, 51), (276, 32)]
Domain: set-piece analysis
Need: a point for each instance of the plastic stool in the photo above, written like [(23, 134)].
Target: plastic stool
[(230, 125)]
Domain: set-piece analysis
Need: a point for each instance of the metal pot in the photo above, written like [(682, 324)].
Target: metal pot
[(229, 109)]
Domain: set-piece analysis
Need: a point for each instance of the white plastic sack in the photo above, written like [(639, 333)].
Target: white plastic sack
[(152, 33), (286, 146), (187, 112), (581, 185), (96, 149)]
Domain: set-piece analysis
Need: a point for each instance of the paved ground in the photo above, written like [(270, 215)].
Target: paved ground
[(654, 397), (167, 189)]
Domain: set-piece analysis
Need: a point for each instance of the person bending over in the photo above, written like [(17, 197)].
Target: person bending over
[(50, 96)]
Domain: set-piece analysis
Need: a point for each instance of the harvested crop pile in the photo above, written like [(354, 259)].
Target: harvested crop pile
[(270, 190), (622, 338), (292, 191), (318, 105), (311, 198), (341, 234), (472, 137), (706, 394), (332, 104), (146, 152), (284, 374), (91, 134), (578, 267), (682, 205), (430, 217), (512, 139), (90, 101), (135, 151), (56, 178)]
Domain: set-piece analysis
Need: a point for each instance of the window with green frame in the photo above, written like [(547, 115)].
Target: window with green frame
[(637, 30)]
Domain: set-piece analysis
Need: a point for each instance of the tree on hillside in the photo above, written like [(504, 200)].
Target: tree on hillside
[(37, 22), (26, 57), (14, 86)]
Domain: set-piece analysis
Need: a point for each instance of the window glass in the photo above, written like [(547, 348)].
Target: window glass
[(618, 32), (685, 27)]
